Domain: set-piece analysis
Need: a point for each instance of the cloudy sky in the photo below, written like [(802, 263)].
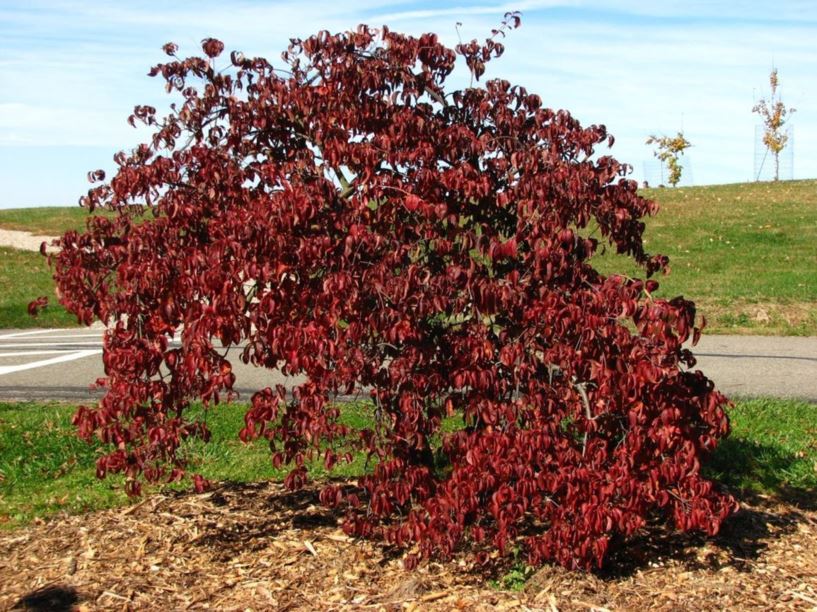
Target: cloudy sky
[(71, 72)]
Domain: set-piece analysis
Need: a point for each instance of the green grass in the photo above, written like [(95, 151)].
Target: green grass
[(225, 457), (772, 449), (24, 276), (46, 221), (45, 469), (745, 253), (516, 578)]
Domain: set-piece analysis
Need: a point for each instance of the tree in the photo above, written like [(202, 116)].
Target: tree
[(773, 113), (352, 220), (668, 149)]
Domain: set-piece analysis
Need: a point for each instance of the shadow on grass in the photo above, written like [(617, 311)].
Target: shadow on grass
[(751, 470)]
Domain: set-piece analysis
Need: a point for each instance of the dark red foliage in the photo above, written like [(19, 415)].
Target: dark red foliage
[(347, 218), (41, 302)]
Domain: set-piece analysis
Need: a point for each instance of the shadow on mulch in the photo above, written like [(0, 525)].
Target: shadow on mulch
[(54, 598), (272, 514), (742, 539), (192, 548), (275, 512)]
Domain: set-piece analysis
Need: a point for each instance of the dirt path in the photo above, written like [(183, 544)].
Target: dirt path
[(261, 546), (22, 240)]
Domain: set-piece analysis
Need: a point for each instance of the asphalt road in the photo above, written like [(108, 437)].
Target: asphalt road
[(60, 364)]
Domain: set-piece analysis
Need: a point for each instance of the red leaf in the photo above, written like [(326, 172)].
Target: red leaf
[(37, 305)]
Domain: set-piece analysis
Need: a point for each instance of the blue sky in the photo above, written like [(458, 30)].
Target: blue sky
[(71, 72)]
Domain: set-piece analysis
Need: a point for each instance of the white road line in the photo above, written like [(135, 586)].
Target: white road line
[(36, 344), (22, 353), (32, 333), (47, 362), (29, 344), (99, 335)]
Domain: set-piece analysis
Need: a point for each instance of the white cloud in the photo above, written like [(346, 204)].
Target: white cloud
[(43, 125)]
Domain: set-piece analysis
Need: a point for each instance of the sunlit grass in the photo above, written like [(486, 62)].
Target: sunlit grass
[(45, 220), (45, 469), (745, 253), (772, 449), (24, 276)]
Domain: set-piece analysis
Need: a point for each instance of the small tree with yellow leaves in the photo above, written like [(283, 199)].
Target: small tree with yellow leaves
[(773, 112), (668, 149)]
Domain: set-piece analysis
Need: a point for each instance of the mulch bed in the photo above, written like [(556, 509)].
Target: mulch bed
[(259, 547)]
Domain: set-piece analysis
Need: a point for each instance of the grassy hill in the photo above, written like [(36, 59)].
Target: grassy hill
[(46, 221), (745, 253)]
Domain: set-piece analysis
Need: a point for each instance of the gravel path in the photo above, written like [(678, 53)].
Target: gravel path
[(22, 240)]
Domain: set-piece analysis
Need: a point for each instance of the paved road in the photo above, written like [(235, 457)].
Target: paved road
[(59, 364)]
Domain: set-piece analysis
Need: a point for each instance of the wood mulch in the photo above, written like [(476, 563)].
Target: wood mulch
[(259, 547)]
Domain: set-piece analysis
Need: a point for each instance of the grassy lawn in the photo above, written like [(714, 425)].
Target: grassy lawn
[(45, 469), (45, 221), (772, 449), (744, 253), (24, 276)]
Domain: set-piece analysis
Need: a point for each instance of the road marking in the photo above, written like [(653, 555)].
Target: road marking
[(31, 333), (63, 336), (28, 344), (47, 362), (29, 353)]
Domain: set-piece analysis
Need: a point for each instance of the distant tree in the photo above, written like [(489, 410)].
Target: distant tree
[(668, 149), (773, 112)]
